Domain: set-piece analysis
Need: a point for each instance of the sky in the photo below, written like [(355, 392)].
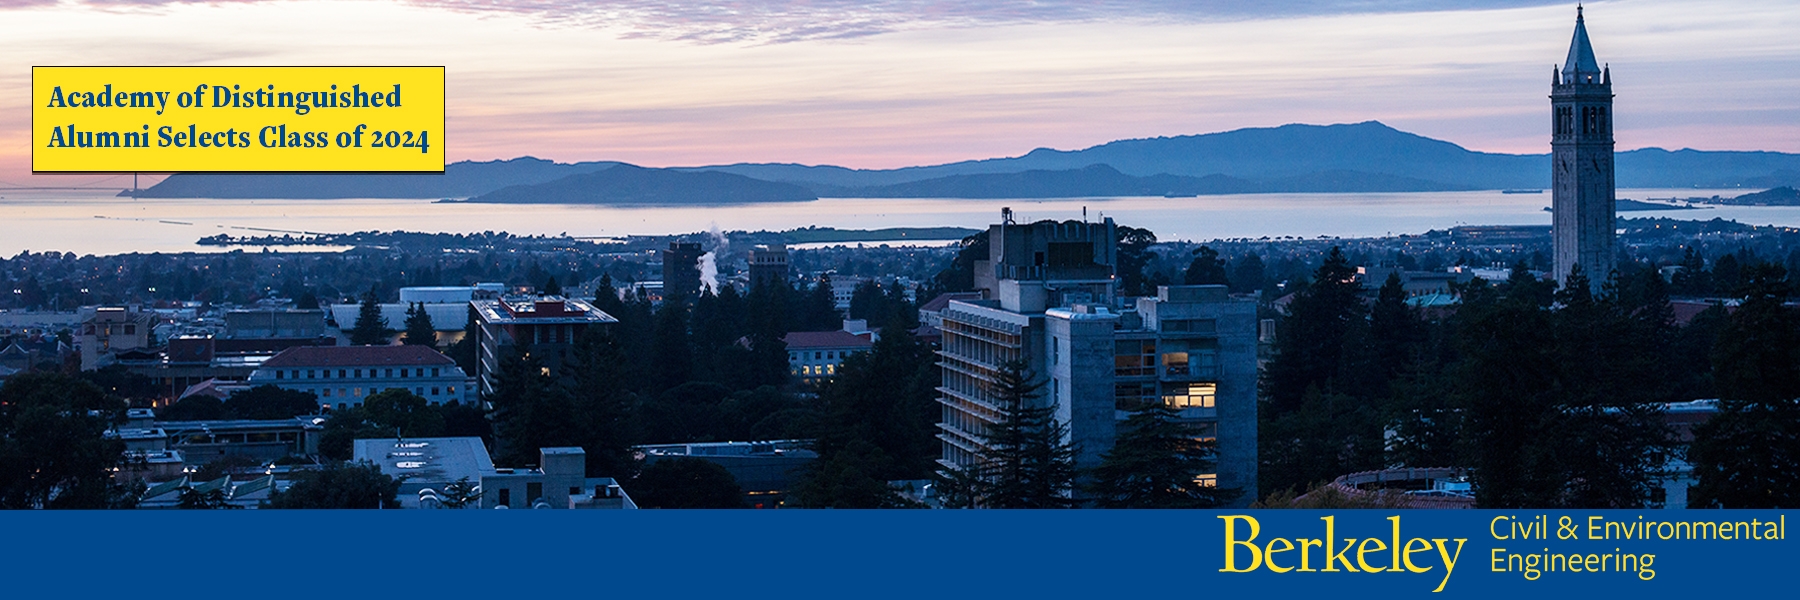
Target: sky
[(894, 83)]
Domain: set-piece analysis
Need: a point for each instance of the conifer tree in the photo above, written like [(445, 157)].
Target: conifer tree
[(1156, 462), (1027, 463), (371, 328), (419, 329)]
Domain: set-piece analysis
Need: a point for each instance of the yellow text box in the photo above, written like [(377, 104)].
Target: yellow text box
[(198, 119)]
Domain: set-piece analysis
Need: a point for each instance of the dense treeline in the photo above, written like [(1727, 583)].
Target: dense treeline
[(1552, 397)]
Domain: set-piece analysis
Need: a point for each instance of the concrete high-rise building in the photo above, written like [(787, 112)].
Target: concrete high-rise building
[(547, 325), (1581, 149), (1050, 301), (681, 270)]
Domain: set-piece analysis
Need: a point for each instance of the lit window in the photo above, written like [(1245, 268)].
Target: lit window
[(1207, 480), (1197, 395)]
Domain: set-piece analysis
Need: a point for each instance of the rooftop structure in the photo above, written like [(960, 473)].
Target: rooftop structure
[(550, 322), (430, 464), (768, 265)]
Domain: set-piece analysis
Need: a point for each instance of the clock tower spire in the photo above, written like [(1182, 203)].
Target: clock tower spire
[(1581, 162)]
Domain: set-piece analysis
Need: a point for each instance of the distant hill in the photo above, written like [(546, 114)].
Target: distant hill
[(1781, 196), (631, 184), (459, 179), (1367, 156), (1103, 180), (1268, 153)]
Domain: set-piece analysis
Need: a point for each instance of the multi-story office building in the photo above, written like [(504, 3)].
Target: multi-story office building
[(111, 329), (548, 325), (681, 270), (342, 376), (1050, 302), (768, 265)]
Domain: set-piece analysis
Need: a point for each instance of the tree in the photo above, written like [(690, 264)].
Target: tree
[(54, 451), (819, 308), (193, 499), (531, 410), (1206, 269), (461, 493), (1746, 455), (339, 485), (1248, 274), (1156, 462), (403, 413), (685, 482), (846, 479), (343, 428), (1133, 259), (371, 328), (419, 330), (194, 408), (674, 356), (267, 402), (1309, 345), (886, 397), (1027, 462), (464, 351), (552, 288), (1321, 411)]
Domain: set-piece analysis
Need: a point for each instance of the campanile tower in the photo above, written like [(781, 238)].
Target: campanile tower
[(1581, 162)]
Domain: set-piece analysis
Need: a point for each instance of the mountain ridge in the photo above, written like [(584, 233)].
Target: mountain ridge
[(1353, 157)]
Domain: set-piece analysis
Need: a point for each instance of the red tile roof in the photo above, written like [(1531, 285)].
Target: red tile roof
[(826, 339), (358, 356)]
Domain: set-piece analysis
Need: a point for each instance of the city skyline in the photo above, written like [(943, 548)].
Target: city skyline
[(878, 87)]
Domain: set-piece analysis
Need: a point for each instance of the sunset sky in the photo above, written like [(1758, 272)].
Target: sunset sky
[(907, 82)]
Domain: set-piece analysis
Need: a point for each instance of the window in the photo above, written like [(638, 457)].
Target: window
[(310, 374), (403, 373), (341, 374), (419, 372), (434, 372), (575, 491), (358, 392), (1193, 395), (434, 391), (1134, 358), (325, 392), (389, 373), (505, 496), (535, 490), (279, 373), (1206, 326), (1207, 480), (1133, 396), (818, 355), (357, 373)]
